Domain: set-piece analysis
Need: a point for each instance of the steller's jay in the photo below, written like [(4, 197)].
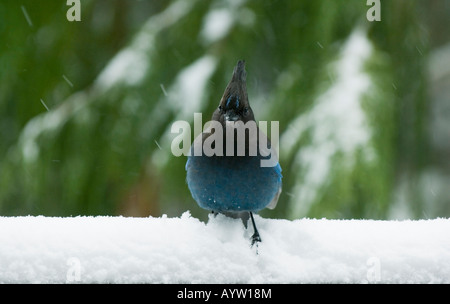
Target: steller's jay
[(236, 185)]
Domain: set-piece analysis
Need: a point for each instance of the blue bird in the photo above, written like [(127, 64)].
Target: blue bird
[(234, 183)]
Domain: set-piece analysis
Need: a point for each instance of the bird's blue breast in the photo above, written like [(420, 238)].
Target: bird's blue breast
[(225, 183)]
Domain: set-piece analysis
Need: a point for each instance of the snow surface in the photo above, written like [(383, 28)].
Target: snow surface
[(186, 250)]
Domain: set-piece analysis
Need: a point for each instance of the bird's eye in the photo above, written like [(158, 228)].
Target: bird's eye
[(220, 108)]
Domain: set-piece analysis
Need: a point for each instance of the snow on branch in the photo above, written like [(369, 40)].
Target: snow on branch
[(186, 250)]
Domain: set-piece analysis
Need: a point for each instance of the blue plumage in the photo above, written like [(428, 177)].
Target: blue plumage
[(234, 185)]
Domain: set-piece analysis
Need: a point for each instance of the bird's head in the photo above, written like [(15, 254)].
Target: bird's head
[(234, 104)]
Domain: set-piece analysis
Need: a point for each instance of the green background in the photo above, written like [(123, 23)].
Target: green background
[(363, 106)]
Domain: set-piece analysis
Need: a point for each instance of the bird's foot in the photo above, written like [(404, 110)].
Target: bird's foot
[(256, 238)]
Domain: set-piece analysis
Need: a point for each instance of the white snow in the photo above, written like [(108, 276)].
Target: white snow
[(186, 95), (49, 121), (337, 123), (131, 64), (129, 67), (186, 250), (217, 24), (219, 21), (27, 17)]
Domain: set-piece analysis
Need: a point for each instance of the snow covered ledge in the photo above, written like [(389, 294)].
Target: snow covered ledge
[(186, 250)]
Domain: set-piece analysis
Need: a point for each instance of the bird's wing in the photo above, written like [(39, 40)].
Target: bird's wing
[(274, 201)]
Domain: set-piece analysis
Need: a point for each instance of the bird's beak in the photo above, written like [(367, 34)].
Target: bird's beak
[(231, 115)]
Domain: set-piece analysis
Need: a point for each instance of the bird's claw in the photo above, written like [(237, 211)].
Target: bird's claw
[(255, 239)]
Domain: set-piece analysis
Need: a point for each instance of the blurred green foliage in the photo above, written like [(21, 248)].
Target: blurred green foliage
[(113, 84)]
